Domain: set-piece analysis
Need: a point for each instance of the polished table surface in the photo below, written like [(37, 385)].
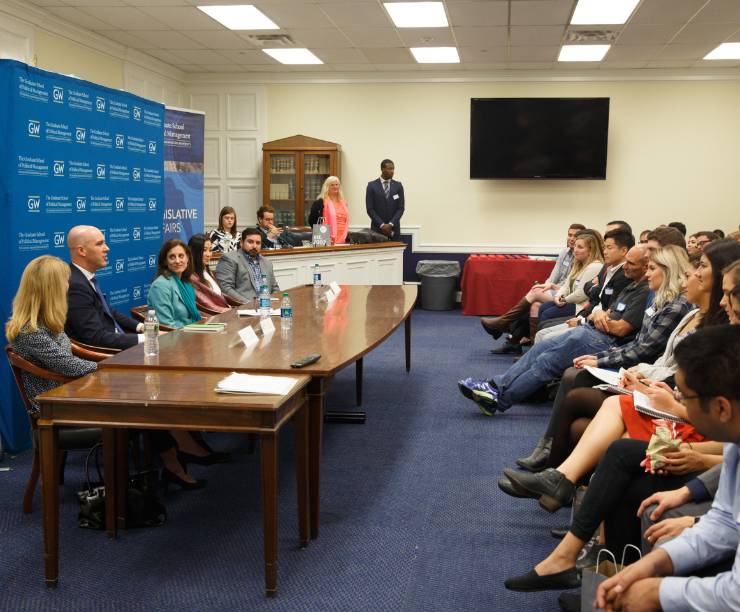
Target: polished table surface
[(168, 399)]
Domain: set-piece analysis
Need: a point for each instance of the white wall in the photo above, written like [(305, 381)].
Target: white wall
[(673, 155)]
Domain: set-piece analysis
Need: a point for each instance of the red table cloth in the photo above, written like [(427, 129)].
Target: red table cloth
[(491, 284)]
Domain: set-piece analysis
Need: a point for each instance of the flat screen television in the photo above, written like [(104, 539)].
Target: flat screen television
[(538, 138)]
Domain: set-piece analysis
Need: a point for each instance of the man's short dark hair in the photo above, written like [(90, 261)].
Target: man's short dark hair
[(385, 162), (250, 231), (708, 234), (679, 226), (720, 233), (621, 238), (667, 235), (710, 361), (623, 225), (263, 209), (577, 226)]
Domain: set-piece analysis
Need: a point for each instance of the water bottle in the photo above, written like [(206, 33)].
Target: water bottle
[(264, 298), (151, 335), (286, 312), (316, 276)]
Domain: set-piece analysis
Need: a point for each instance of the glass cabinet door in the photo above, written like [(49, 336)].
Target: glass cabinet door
[(316, 169), (283, 182)]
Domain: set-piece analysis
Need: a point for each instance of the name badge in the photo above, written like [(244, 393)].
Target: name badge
[(395, 196), (650, 311), (621, 306), (609, 290)]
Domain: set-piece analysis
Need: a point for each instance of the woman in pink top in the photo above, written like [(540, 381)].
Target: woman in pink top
[(332, 206)]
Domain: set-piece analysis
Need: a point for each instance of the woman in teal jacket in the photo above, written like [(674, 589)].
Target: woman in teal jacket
[(171, 294)]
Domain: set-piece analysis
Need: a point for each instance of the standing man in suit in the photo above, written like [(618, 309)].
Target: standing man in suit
[(385, 202), (90, 319), (240, 272)]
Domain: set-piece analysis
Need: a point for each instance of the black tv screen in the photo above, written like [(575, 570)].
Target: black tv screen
[(538, 138)]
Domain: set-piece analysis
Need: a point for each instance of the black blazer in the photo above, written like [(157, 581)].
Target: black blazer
[(89, 323), (317, 210), (284, 239), (385, 210), (613, 288)]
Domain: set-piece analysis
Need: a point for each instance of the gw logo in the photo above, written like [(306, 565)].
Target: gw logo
[(34, 203), (34, 128), (137, 113), (153, 147), (152, 203), (59, 239), (152, 261), (100, 171), (119, 265), (136, 233), (58, 95), (136, 293), (119, 204), (80, 134), (119, 141), (100, 104), (136, 174), (58, 168), (81, 204)]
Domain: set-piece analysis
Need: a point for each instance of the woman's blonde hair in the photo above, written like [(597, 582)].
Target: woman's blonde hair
[(41, 299), (325, 188), (595, 245), (675, 263)]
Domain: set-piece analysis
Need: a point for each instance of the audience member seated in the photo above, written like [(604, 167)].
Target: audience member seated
[(679, 226), (708, 363), (731, 292), (240, 273), (207, 292), (331, 205), (699, 240), (644, 236), (171, 295), (273, 237), (663, 236), (224, 239), (90, 319)]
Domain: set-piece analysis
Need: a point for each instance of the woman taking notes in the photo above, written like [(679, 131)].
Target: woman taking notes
[(171, 294), (332, 206)]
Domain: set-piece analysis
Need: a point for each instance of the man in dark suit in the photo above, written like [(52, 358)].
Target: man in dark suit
[(273, 237), (90, 319), (239, 272), (385, 202)]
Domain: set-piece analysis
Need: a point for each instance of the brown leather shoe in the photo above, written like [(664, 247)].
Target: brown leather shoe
[(491, 325)]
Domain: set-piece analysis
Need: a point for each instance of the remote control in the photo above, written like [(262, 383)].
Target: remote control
[(301, 363)]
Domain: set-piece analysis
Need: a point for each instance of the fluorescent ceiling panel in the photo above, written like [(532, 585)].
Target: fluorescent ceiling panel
[(417, 14), (435, 55), (293, 56), (726, 51), (601, 12), (240, 17), (582, 53)]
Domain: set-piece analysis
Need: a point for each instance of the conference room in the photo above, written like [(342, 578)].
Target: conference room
[(472, 139)]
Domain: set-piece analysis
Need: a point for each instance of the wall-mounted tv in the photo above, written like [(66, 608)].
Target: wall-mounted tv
[(538, 138)]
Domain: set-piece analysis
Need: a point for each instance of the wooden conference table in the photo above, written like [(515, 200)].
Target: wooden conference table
[(342, 332)]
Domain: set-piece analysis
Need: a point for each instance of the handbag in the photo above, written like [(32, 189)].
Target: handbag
[(320, 233), (143, 507), (592, 577)]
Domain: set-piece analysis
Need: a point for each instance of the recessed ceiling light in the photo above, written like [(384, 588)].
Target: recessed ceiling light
[(417, 14), (293, 56), (726, 51), (436, 55), (603, 11), (582, 53), (240, 17)]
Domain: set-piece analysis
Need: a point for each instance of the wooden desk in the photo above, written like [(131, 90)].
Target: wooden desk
[(171, 400), (341, 332)]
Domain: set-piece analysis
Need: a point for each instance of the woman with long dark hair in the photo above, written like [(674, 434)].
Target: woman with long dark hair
[(207, 292)]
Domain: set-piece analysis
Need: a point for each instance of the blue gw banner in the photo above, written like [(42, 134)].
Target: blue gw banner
[(73, 153), (183, 173)]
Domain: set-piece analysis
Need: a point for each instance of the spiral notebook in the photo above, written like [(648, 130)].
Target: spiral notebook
[(645, 406)]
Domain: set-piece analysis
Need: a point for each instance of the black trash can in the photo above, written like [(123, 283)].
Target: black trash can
[(438, 282)]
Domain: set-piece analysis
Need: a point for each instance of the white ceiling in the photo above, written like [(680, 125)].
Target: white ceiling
[(358, 36)]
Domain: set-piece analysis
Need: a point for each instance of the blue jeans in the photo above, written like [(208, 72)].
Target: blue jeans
[(548, 360), (550, 310)]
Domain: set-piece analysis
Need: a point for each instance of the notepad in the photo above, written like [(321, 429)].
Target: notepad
[(205, 328), (250, 383), (645, 406), (610, 377), (251, 312)]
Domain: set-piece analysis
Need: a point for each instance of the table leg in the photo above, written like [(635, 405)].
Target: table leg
[(301, 472), (268, 450), (49, 487), (121, 478), (407, 330), (111, 480), (316, 391), (358, 382)]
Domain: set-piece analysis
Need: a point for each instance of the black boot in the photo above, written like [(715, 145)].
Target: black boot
[(539, 458)]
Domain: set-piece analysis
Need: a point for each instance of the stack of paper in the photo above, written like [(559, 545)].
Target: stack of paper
[(251, 312), (249, 383), (205, 327)]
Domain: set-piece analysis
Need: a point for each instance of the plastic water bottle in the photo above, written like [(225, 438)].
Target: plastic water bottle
[(264, 298), (286, 312), (316, 276), (151, 334)]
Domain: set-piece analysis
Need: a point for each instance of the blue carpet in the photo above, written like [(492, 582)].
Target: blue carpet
[(411, 519)]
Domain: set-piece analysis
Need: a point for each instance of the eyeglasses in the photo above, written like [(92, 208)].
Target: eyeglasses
[(681, 398)]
